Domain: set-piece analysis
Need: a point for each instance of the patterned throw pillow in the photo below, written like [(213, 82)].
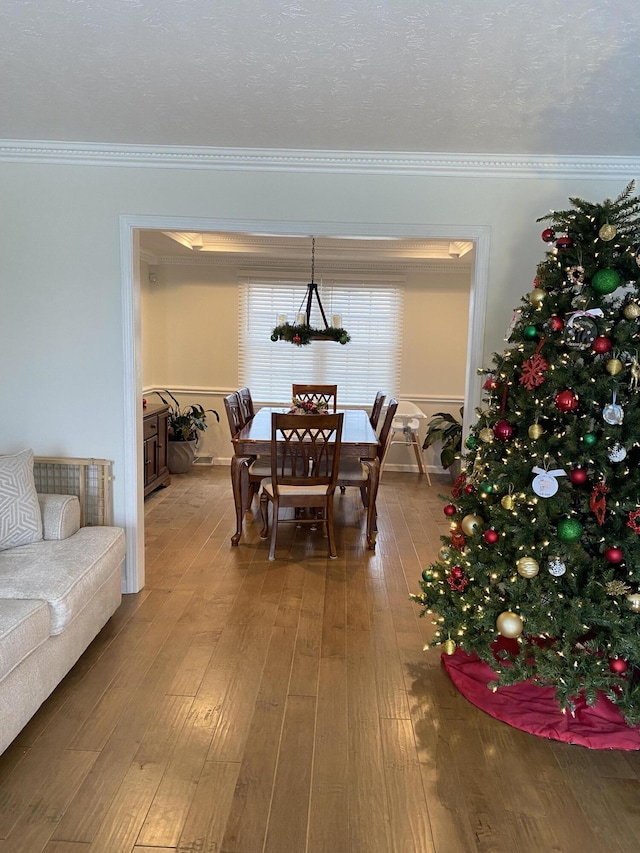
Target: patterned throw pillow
[(20, 517)]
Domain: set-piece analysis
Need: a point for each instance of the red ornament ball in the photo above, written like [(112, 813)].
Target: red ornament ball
[(490, 384), (566, 401), (555, 323), (618, 665), (602, 344), (450, 510), (296, 339), (613, 555), (578, 476), (457, 572), (469, 489), (491, 536), (564, 243), (503, 430), (548, 235)]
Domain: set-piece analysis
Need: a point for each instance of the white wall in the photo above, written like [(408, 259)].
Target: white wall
[(62, 378)]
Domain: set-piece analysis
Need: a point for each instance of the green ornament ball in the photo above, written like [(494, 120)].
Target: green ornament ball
[(530, 332), (606, 281), (590, 438), (344, 340), (471, 443), (569, 530), (274, 337), (486, 486), (427, 575)]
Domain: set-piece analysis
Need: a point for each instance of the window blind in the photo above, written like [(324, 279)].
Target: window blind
[(372, 314)]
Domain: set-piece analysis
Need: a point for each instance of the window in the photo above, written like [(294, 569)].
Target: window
[(371, 311)]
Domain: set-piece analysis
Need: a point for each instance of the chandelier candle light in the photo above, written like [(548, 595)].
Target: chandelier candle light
[(302, 333)]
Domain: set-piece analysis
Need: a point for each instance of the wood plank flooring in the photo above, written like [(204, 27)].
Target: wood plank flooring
[(240, 706)]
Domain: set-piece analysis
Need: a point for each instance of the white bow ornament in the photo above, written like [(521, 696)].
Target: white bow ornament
[(545, 484)]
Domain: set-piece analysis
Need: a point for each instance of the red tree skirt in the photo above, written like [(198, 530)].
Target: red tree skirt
[(534, 709)]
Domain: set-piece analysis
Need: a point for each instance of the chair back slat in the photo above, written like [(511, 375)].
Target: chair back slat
[(321, 395), (247, 410), (305, 449), (234, 413), (376, 409)]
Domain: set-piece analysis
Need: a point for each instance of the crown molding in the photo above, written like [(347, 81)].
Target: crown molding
[(291, 264), (302, 160)]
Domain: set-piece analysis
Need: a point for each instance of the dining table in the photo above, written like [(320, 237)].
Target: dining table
[(359, 441)]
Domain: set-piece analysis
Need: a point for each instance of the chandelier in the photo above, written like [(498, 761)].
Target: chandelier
[(301, 332)]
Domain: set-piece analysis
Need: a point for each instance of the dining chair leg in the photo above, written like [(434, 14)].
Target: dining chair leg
[(274, 531), (264, 512), (333, 553)]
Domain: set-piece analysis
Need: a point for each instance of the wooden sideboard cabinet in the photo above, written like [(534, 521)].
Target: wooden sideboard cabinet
[(155, 427)]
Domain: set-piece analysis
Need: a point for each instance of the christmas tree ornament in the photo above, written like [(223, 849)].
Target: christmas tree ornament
[(545, 483), (490, 384), (590, 438), (471, 524), (486, 435), (614, 366), (509, 624), (617, 453), (491, 536), (607, 232), (486, 486), (471, 442), (602, 344), (548, 235), (613, 555), (634, 520), (530, 332), (533, 370), (445, 553), (536, 297), (503, 430), (449, 646), (535, 431), (508, 501), (578, 476), (617, 588), (527, 567), (613, 413), (450, 510), (598, 502), (634, 384), (566, 401), (427, 575), (458, 541), (457, 579), (631, 311), (297, 339), (569, 530), (555, 323), (469, 489), (581, 329), (556, 567), (606, 281), (618, 665), (274, 337), (564, 243), (633, 601), (575, 275)]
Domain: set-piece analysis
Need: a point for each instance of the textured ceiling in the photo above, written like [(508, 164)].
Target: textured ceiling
[(457, 76)]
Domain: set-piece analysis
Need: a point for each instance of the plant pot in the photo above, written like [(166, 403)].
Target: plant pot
[(180, 456)]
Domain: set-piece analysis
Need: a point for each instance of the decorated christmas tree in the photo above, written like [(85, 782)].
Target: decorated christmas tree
[(540, 574)]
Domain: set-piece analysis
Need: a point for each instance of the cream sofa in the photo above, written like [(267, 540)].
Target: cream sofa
[(56, 591)]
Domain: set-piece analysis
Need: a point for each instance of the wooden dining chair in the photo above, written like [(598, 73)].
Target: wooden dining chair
[(305, 458), (247, 410), (357, 473), (376, 409), (257, 468), (318, 394)]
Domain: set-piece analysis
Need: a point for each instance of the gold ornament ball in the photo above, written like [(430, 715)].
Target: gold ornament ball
[(449, 646), (486, 435), (527, 567), (470, 524), (535, 431), (633, 600), (509, 624), (507, 502), (631, 311), (614, 366), (607, 232), (536, 297)]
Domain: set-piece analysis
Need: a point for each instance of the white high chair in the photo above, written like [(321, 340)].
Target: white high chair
[(407, 424)]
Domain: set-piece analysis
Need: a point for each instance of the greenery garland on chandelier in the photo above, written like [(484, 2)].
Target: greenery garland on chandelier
[(302, 334)]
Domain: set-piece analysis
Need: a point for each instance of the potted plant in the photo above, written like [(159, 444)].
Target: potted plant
[(447, 429), (185, 426)]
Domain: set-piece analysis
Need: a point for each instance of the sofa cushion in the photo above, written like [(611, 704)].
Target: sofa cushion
[(20, 518), (24, 625), (60, 516), (64, 573)]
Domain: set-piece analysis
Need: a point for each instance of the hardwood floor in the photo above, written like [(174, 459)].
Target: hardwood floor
[(241, 706)]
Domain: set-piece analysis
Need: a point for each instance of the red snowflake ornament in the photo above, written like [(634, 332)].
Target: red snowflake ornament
[(533, 370), (634, 521)]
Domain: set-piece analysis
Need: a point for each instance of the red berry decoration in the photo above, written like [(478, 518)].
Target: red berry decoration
[(450, 510), (555, 323), (296, 339), (578, 476), (503, 430), (548, 235), (602, 344), (564, 243), (566, 401), (618, 665), (614, 555), (491, 536)]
